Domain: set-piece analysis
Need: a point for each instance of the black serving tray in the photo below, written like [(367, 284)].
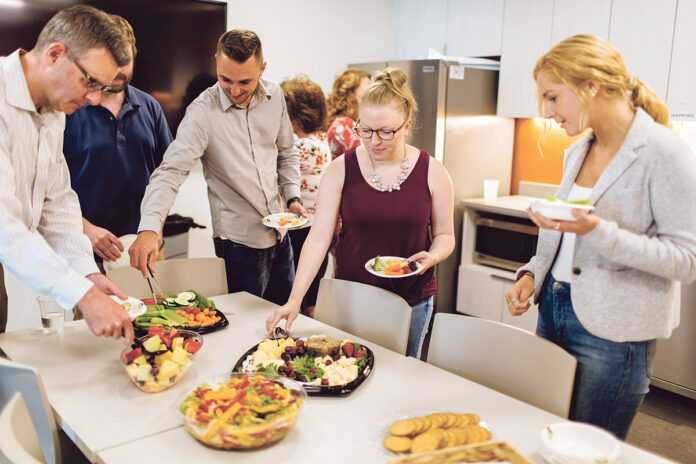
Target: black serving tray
[(322, 390), (219, 325)]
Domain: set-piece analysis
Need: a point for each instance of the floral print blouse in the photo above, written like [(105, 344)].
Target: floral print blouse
[(341, 136), (315, 157)]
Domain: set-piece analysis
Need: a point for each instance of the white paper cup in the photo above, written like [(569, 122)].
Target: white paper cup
[(490, 189), (124, 260)]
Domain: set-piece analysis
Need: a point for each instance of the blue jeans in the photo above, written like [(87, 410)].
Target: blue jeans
[(611, 379), (265, 272), (420, 320)]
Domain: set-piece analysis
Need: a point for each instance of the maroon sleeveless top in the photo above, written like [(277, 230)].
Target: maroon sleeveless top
[(385, 224)]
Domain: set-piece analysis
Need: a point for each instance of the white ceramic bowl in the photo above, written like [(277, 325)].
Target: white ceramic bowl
[(558, 210), (576, 443), (124, 260)]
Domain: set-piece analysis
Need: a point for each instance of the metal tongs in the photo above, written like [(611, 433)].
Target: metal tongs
[(279, 333), (155, 288)]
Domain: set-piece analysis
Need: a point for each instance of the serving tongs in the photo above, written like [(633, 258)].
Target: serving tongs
[(155, 288), (279, 333)]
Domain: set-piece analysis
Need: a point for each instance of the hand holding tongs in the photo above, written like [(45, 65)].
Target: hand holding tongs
[(155, 289)]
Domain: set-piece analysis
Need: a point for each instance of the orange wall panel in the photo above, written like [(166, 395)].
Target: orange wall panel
[(528, 164)]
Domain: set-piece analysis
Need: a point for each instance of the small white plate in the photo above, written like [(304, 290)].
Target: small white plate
[(576, 443), (370, 263), (137, 307), (273, 220), (558, 210)]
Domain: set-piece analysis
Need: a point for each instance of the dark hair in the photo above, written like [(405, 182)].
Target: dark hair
[(306, 103), (83, 27), (126, 30), (240, 45)]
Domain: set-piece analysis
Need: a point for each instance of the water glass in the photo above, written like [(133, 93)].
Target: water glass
[(52, 314)]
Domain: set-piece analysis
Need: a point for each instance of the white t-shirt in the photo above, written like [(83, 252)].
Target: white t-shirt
[(561, 270)]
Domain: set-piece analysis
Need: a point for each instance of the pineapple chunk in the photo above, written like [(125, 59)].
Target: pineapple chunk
[(179, 355), (167, 370), (178, 341)]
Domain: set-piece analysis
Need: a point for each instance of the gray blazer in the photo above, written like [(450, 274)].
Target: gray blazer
[(625, 271)]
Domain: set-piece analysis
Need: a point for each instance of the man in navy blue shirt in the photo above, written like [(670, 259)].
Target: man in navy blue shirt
[(111, 150)]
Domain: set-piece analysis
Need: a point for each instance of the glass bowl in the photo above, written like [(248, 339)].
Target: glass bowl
[(170, 365), (249, 424)]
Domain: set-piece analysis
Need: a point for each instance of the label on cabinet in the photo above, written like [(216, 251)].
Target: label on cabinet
[(456, 72)]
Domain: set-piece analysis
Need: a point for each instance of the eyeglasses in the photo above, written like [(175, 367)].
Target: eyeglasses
[(92, 84), (383, 134)]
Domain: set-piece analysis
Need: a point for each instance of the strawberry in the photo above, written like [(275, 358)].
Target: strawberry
[(358, 354), (348, 349)]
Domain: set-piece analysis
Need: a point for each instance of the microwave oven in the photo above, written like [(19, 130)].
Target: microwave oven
[(504, 242)]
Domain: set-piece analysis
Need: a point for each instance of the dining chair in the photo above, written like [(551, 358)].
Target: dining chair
[(205, 275), (505, 358), (28, 431), (369, 312)]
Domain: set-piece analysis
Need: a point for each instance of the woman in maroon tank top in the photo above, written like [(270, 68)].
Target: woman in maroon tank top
[(388, 194)]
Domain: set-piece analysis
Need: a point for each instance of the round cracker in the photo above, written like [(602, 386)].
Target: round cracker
[(462, 436), (428, 441), (436, 420), (450, 420), (403, 428), (462, 420), (397, 444), (450, 438), (473, 418)]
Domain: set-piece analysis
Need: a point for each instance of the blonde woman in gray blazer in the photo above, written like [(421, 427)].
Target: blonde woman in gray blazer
[(606, 283)]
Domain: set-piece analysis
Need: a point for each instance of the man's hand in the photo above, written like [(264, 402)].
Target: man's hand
[(143, 253), (106, 285), (104, 316), (297, 208), (105, 244)]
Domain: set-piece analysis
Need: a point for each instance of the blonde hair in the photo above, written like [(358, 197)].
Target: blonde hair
[(389, 88), (585, 58), (342, 100)]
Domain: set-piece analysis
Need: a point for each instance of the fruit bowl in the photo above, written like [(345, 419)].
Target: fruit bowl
[(227, 414), (160, 359)]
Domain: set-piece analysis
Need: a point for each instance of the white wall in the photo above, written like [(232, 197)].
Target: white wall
[(317, 37)]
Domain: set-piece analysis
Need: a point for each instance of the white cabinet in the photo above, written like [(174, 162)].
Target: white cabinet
[(419, 26), (474, 27), (642, 30), (681, 92), (571, 17), (526, 36)]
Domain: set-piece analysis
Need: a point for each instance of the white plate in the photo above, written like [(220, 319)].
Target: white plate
[(124, 260), (272, 220), (137, 307), (558, 210), (575, 443), (371, 262)]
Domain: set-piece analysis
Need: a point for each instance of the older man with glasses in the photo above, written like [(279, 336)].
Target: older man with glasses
[(77, 53)]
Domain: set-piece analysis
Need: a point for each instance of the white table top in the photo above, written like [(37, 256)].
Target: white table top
[(113, 422)]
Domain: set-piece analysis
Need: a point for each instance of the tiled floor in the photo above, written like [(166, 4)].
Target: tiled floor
[(666, 425)]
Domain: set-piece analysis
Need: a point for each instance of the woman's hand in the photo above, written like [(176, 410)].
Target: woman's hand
[(583, 223), (425, 259), (518, 296), (288, 311)]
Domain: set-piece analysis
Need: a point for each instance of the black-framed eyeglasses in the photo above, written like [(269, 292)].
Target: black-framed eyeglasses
[(92, 84), (383, 134)]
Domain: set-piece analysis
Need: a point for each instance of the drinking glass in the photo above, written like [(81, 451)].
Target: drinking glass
[(52, 314)]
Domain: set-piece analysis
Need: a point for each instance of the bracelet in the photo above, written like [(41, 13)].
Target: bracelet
[(290, 200), (524, 273)]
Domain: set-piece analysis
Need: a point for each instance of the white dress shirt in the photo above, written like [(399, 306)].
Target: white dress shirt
[(41, 236)]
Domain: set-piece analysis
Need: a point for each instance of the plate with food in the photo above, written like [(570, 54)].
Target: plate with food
[(133, 306), (242, 411), (559, 210), (392, 267), (284, 220), (187, 310), (159, 360), (324, 366), (429, 431)]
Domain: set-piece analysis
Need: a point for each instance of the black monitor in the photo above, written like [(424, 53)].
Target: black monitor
[(176, 41)]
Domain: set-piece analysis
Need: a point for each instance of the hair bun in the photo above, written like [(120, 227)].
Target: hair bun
[(393, 76)]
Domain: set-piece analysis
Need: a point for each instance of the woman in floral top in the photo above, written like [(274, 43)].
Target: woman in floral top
[(307, 112), (342, 106)]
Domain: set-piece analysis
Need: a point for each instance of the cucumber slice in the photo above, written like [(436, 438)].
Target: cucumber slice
[(187, 296)]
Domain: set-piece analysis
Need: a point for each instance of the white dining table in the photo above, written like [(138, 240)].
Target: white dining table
[(113, 422)]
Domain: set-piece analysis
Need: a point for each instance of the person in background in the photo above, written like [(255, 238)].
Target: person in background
[(391, 196), (342, 106), (111, 149), (606, 283), (307, 110), (41, 235), (240, 130)]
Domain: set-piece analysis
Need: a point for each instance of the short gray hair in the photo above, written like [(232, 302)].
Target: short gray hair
[(83, 27)]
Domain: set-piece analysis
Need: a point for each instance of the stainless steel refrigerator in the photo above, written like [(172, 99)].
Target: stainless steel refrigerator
[(456, 124)]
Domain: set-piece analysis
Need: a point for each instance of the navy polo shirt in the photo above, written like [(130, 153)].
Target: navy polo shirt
[(111, 159)]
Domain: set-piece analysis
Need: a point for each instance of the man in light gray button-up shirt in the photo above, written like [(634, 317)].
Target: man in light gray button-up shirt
[(240, 130)]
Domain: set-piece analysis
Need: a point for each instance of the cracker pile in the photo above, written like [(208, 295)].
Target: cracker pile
[(435, 431)]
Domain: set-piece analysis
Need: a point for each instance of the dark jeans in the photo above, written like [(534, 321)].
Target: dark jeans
[(264, 272), (611, 379), (3, 301), (297, 238)]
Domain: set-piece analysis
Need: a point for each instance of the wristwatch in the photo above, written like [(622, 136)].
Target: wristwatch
[(290, 200)]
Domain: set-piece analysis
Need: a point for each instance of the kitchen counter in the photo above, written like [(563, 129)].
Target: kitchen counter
[(514, 205)]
